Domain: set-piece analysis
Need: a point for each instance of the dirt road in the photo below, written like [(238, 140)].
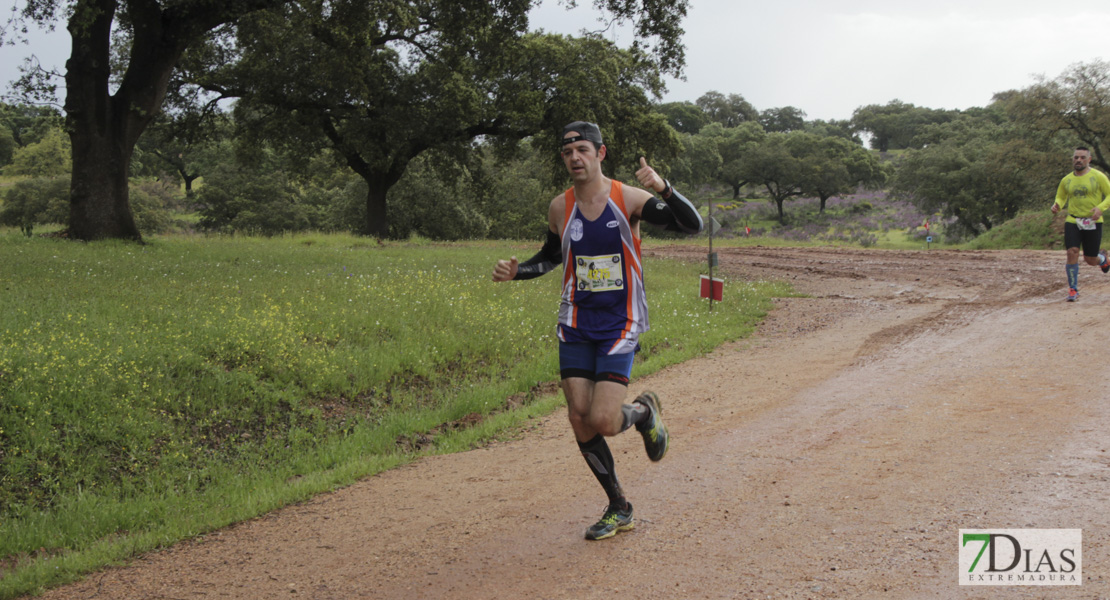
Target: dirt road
[(835, 454)]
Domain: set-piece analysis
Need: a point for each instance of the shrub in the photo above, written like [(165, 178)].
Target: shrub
[(860, 208), (7, 146), (151, 201), (45, 200), (426, 204), (866, 239), (232, 200), (49, 157), (37, 201), (345, 209)]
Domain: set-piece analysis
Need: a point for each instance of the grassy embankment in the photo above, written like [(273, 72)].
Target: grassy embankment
[(1030, 230), (152, 393)]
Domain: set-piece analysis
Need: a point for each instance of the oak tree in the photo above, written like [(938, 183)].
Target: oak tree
[(380, 83)]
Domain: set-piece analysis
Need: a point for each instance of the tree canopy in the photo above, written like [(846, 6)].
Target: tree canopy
[(399, 91), (684, 117), (380, 86), (833, 166), (1075, 104), (893, 126), (782, 119), (729, 111), (979, 172), (436, 45), (776, 163)]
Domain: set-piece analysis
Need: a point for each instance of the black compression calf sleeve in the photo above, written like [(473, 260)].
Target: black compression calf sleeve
[(600, 459)]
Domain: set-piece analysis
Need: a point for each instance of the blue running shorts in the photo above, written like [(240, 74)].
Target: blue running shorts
[(588, 360)]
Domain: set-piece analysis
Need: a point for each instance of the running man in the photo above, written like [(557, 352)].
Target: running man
[(1086, 194), (594, 230)]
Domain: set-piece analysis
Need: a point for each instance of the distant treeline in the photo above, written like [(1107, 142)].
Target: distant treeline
[(259, 169)]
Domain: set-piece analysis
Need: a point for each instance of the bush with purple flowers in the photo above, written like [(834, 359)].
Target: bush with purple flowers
[(862, 218)]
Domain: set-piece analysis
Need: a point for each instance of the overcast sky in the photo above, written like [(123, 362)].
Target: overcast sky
[(829, 57)]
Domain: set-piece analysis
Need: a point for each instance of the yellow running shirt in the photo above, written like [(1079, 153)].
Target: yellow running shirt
[(1083, 193)]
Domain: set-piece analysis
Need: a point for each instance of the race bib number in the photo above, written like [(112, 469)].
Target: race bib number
[(1085, 224), (599, 273)]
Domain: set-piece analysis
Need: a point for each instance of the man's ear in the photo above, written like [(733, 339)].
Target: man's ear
[(601, 152)]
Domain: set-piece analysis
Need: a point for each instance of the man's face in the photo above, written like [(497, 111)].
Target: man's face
[(582, 160), (1080, 160)]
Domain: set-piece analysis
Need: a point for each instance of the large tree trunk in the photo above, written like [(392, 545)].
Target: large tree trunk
[(377, 214), (378, 181), (189, 179), (104, 127), (99, 206), (379, 184), (99, 203)]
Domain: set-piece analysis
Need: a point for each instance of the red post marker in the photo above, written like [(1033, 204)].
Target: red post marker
[(712, 288), (747, 231)]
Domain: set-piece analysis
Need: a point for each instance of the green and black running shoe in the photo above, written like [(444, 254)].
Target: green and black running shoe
[(611, 522), (655, 433)]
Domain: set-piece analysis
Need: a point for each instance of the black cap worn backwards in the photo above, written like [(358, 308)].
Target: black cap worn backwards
[(586, 131)]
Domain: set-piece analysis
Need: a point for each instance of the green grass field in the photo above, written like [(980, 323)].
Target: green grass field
[(155, 392)]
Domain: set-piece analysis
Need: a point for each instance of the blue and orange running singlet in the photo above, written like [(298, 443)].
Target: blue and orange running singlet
[(603, 296)]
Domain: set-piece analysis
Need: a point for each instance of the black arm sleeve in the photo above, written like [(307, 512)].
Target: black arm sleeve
[(545, 260), (674, 212)]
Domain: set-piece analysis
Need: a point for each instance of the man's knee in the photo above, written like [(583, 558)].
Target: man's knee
[(576, 418), (605, 424)]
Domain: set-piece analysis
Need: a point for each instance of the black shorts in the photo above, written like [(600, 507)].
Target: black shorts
[(1089, 239)]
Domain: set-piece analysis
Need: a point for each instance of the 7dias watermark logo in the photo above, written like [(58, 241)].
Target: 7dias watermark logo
[(1021, 556)]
